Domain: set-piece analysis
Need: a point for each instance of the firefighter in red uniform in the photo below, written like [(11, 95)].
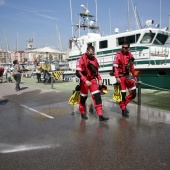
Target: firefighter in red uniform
[(125, 75), (90, 79)]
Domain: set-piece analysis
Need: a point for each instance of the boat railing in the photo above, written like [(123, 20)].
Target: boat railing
[(103, 61), (152, 54)]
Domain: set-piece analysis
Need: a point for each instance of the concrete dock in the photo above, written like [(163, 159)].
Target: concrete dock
[(39, 131)]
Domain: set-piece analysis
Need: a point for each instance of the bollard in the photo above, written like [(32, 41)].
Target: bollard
[(51, 81), (139, 92)]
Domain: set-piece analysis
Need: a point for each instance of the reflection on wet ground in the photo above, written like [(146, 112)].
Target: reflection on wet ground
[(31, 140)]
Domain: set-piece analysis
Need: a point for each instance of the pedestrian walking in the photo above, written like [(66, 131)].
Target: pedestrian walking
[(38, 72), (90, 79), (9, 80), (124, 72), (17, 74)]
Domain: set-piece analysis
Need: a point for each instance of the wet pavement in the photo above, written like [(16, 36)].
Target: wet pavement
[(39, 131)]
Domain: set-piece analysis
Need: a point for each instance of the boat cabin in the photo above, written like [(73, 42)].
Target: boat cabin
[(112, 43)]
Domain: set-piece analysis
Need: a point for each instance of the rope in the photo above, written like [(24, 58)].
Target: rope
[(155, 87)]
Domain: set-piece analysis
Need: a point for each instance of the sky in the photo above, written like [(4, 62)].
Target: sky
[(48, 22)]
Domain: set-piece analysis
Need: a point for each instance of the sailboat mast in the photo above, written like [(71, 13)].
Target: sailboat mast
[(33, 37), (110, 21), (135, 14), (96, 10), (7, 48), (128, 15), (59, 39), (71, 18), (160, 13), (17, 43), (169, 23)]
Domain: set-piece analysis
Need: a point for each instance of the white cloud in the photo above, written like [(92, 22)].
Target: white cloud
[(2, 2), (33, 11)]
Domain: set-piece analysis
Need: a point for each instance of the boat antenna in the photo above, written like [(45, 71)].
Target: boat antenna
[(71, 18)]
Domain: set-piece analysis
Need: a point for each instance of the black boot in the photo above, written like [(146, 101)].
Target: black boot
[(83, 116), (124, 113), (127, 111), (102, 118)]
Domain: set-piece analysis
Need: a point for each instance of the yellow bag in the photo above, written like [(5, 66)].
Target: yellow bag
[(75, 98), (117, 96), (46, 67)]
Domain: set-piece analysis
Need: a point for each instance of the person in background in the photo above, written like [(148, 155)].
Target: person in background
[(1, 73), (38, 72), (17, 74), (9, 76), (124, 72), (87, 70)]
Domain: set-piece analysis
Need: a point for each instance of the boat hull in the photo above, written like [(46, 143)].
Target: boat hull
[(151, 78), (157, 78)]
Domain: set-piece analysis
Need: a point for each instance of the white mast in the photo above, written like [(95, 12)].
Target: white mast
[(33, 38), (128, 16), (79, 25), (135, 13), (160, 13), (59, 39), (110, 21), (7, 48), (169, 23), (16, 54), (96, 10), (71, 18)]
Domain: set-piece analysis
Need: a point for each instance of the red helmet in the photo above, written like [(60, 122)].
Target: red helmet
[(103, 89)]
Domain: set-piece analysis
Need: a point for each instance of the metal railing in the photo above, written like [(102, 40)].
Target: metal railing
[(164, 54)]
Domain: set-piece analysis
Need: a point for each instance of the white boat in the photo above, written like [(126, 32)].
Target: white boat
[(152, 57)]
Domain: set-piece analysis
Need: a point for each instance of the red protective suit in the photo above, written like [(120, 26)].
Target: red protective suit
[(85, 72), (122, 68)]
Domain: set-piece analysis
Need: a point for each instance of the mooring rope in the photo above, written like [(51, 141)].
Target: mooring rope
[(155, 87)]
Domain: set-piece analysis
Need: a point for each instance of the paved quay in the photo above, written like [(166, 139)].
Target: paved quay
[(39, 131)]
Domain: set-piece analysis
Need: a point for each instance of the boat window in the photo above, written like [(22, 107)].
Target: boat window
[(160, 39), (147, 38), (103, 44), (131, 39)]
